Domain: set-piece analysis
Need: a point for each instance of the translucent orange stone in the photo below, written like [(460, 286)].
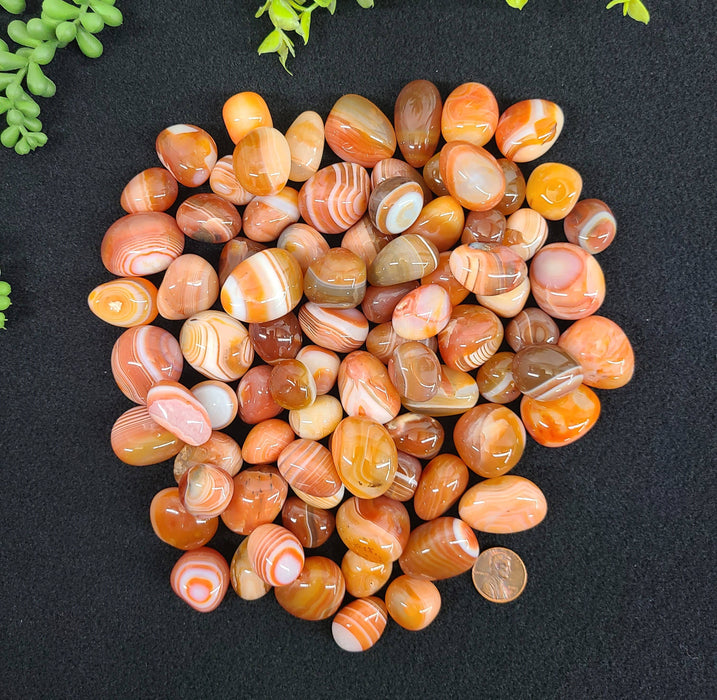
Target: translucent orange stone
[(255, 401), (376, 529), (339, 330), (304, 242), (175, 408), (603, 351), (245, 581), (208, 218), (275, 554), (243, 112), (457, 392), (364, 239), (591, 225), (266, 217), (265, 441), (205, 491), (154, 189), (312, 526), (319, 420), (484, 227), (357, 131), (124, 302), (234, 252), (553, 189), (503, 505), (379, 302), (405, 482), (441, 222), (139, 440), (439, 549), (490, 439), (395, 204), (514, 187), (259, 494), (566, 281), (412, 603), (188, 152), (223, 181), (364, 577), (528, 129), (495, 379), (418, 435), (220, 451), (472, 175), (262, 161), (471, 336), (292, 385), (443, 276), (470, 113), (308, 467), (526, 232), (560, 421), (393, 167), (432, 175), (364, 455), (305, 137), (417, 115), (174, 525), (366, 389), (317, 593), (488, 269), (442, 483), (189, 285), (336, 280)]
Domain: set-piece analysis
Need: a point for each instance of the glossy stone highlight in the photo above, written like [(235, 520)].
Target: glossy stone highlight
[(305, 137), (190, 285), (487, 269), (366, 389), (531, 327), (546, 372), (137, 439), (336, 280), (422, 313), (360, 624), (340, 330), (363, 577), (406, 258), (245, 581), (223, 181), (276, 340), (395, 204), (495, 379), (208, 218), (205, 491), (415, 371), (266, 217), (471, 336), (244, 112), (292, 385), (173, 524), (175, 408), (441, 222)]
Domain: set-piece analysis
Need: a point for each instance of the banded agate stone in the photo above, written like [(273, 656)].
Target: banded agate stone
[(255, 401), (266, 440), (487, 269), (190, 285), (503, 505), (266, 217), (603, 351), (304, 242), (490, 439), (205, 491), (484, 227), (360, 624), (259, 495), (340, 330), (376, 529), (305, 137), (442, 483), (415, 371), (141, 244), (528, 129), (324, 365), (175, 408), (275, 554), (364, 239), (208, 218), (422, 313), (308, 467), (546, 372), (591, 225), (291, 384), (405, 258), (357, 131), (457, 392), (471, 175), (364, 577), (470, 113), (223, 181), (526, 232), (495, 379), (531, 327), (220, 451), (317, 593), (366, 389), (441, 548), (393, 167), (318, 420), (125, 302), (245, 581), (280, 339), (336, 280), (379, 302), (154, 189), (417, 435), (471, 336), (553, 190), (395, 204), (262, 161), (335, 198), (364, 455), (312, 526), (441, 222), (188, 152), (137, 439), (201, 579), (405, 482)]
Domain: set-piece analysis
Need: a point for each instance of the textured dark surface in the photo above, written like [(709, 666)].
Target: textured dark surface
[(619, 601)]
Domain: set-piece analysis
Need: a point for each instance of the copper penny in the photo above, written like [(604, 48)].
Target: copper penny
[(499, 575)]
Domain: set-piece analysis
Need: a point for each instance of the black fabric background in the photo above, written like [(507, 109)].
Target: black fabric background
[(620, 598)]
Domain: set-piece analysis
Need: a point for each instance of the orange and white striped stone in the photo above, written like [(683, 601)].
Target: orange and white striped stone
[(201, 578), (360, 624), (175, 408), (275, 554)]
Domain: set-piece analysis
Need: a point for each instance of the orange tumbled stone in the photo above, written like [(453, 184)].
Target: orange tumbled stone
[(470, 113), (244, 112), (173, 524), (553, 189), (603, 351), (412, 603), (560, 421), (262, 161), (317, 593), (471, 175), (188, 152)]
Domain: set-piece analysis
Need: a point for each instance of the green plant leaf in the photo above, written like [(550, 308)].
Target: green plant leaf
[(59, 9), (111, 15), (66, 32), (14, 7), (89, 44), (22, 147), (11, 61), (28, 107), (366, 4), (517, 4), (271, 43), (9, 136), (39, 29), (92, 22), (638, 11), (4, 301), (38, 83), (17, 31), (283, 16), (44, 53), (5, 289), (304, 26)]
